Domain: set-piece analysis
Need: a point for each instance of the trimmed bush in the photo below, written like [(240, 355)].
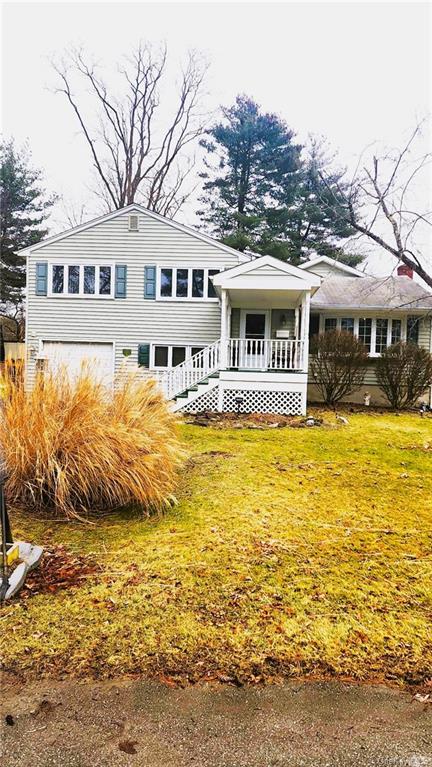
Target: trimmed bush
[(71, 448), (338, 364), (404, 372)]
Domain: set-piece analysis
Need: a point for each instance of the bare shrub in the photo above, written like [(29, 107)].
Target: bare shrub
[(404, 372), (338, 364), (71, 449)]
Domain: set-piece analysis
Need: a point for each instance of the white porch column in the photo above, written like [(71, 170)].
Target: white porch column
[(225, 312), (305, 316)]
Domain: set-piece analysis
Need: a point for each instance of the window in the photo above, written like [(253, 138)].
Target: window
[(133, 222), (381, 335), (104, 280), (376, 333), (330, 323), (161, 356), (413, 329), (73, 279), (166, 283), (186, 283), (58, 279), (347, 324), (365, 331), (82, 280), (314, 325), (89, 279), (198, 283), (182, 278), (178, 355), (169, 356), (396, 331), (210, 287)]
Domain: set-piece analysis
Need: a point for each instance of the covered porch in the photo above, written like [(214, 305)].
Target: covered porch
[(265, 309)]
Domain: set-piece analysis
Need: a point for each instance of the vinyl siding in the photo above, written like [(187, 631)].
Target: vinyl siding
[(133, 320), (325, 270), (424, 339)]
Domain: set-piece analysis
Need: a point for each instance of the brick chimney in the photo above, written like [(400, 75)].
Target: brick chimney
[(405, 271)]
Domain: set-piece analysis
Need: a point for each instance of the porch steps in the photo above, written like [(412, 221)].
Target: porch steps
[(195, 391)]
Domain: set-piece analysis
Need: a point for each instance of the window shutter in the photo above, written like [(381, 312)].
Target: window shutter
[(42, 278), (150, 282), (144, 355), (120, 281)]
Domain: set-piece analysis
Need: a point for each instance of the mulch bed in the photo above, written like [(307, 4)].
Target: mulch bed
[(249, 420)]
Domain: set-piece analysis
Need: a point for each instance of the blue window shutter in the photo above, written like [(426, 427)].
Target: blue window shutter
[(144, 355), (42, 278), (150, 282), (120, 281)]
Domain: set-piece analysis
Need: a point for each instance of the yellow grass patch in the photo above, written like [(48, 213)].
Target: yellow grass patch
[(291, 551)]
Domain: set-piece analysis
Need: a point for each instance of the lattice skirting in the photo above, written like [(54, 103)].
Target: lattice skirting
[(207, 401), (283, 402)]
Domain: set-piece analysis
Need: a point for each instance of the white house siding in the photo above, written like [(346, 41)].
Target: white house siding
[(133, 320)]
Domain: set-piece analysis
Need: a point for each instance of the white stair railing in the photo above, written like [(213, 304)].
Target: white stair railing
[(192, 370)]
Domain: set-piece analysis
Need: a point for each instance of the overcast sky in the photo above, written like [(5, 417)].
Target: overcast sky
[(355, 72)]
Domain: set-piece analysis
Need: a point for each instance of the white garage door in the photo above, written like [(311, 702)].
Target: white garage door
[(72, 355)]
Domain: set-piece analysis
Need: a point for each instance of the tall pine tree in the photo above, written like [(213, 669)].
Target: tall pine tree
[(265, 192), (252, 160), (24, 208)]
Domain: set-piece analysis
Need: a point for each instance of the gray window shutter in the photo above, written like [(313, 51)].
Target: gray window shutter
[(42, 278), (150, 282), (144, 355), (120, 280)]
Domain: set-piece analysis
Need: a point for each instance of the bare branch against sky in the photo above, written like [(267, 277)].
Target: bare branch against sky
[(135, 156), (308, 62)]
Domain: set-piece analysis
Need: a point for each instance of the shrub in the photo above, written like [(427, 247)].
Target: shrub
[(338, 364), (72, 448), (404, 372)]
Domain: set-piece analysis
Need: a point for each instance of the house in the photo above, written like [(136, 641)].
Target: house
[(222, 330)]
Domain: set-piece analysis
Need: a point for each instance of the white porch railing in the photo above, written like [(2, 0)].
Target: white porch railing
[(265, 354), (192, 370), (239, 353)]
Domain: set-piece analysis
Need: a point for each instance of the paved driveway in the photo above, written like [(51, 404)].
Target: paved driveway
[(70, 724)]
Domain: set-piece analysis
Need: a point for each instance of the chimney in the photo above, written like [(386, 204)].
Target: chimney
[(405, 271)]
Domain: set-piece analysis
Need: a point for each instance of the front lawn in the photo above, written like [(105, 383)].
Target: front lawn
[(291, 551)]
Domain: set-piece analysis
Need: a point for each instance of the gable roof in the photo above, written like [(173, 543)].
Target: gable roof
[(337, 265), (380, 293), (265, 267), (144, 211)]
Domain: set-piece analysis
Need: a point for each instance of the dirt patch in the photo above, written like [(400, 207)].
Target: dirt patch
[(253, 421), (59, 569)]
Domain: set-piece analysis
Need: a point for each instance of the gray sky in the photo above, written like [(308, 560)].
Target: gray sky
[(355, 72)]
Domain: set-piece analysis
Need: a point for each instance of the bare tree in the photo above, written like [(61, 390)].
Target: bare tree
[(136, 158), (377, 204)]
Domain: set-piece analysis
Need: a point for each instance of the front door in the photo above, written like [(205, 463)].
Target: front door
[(254, 328)]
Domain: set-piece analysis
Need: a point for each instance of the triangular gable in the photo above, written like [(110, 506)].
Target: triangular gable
[(333, 264), (135, 208), (266, 266)]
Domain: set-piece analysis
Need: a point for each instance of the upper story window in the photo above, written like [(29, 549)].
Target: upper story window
[(377, 333), (82, 280), (186, 283)]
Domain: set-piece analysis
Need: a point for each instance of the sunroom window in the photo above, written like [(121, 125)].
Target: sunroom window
[(365, 331), (396, 331), (377, 333), (381, 342)]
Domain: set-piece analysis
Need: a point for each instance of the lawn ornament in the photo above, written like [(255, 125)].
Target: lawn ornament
[(17, 557)]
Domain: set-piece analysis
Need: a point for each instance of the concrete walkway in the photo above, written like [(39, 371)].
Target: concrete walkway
[(87, 724)]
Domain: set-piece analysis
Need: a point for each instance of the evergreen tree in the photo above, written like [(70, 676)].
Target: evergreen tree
[(266, 193), (24, 208), (256, 162)]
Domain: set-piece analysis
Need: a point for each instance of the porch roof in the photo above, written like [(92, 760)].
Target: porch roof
[(266, 281)]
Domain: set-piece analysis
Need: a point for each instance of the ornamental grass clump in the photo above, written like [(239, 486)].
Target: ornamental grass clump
[(74, 449)]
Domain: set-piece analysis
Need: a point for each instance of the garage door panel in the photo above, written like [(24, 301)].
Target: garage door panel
[(72, 355)]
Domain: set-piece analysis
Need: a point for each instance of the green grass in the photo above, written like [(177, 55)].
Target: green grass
[(291, 552)]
